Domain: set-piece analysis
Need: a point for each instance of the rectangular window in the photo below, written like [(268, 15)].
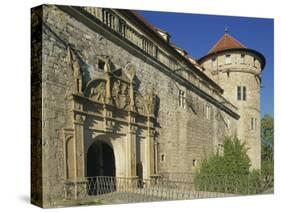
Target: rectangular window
[(227, 59), (214, 62), (194, 163), (181, 99), (162, 158), (227, 123), (220, 149), (242, 58), (255, 63), (239, 93), (253, 123), (244, 93), (184, 100), (208, 111)]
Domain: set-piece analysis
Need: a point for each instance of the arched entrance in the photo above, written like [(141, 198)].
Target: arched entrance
[(100, 168)]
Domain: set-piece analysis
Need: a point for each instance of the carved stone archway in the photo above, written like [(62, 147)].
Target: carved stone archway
[(110, 105)]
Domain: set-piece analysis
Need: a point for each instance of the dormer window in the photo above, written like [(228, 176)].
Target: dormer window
[(227, 59)]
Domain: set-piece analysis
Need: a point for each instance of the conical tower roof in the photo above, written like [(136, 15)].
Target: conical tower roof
[(226, 42)]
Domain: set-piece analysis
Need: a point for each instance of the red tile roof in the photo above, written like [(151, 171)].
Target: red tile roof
[(226, 42)]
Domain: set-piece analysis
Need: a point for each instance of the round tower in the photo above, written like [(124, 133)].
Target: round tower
[(237, 69)]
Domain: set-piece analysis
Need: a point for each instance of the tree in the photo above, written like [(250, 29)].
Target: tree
[(229, 172), (267, 153), (267, 137)]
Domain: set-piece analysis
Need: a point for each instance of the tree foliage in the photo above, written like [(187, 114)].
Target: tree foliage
[(229, 172), (267, 137), (267, 148)]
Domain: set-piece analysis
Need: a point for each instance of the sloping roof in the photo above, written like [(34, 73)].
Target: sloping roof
[(226, 42)]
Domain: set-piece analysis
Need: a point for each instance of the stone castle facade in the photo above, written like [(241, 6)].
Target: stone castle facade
[(111, 96)]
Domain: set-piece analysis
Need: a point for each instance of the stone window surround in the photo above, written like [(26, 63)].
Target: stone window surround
[(242, 58), (228, 123), (182, 99), (194, 163), (208, 111), (253, 123), (162, 158), (241, 93), (227, 59)]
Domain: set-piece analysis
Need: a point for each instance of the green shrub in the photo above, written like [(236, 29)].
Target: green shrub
[(228, 173)]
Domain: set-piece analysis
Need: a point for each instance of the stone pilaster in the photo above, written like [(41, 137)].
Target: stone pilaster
[(149, 151), (131, 146), (79, 146)]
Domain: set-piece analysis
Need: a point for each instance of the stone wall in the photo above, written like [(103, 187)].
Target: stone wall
[(229, 77), (36, 106), (185, 135)]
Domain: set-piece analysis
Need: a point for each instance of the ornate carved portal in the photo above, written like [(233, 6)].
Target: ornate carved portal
[(112, 107)]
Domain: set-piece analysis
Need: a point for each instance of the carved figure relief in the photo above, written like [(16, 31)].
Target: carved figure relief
[(122, 91), (150, 99), (131, 70), (98, 93), (76, 69), (139, 103), (120, 94)]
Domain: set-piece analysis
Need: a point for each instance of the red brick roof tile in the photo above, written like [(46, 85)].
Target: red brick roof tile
[(226, 42)]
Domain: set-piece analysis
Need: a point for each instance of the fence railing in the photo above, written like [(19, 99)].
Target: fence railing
[(168, 186)]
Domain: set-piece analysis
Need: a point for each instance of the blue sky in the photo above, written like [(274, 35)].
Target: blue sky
[(198, 33)]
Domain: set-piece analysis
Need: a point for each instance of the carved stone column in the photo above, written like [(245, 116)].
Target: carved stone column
[(156, 158), (79, 145), (107, 75), (149, 151), (132, 97), (131, 147), (107, 119)]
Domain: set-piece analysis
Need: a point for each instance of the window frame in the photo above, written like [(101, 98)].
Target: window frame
[(242, 59), (253, 123), (228, 123), (227, 59), (244, 93), (239, 93), (182, 98), (208, 112), (214, 62)]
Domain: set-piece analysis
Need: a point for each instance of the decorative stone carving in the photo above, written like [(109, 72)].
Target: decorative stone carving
[(117, 85), (131, 70), (150, 99), (139, 103), (76, 69), (79, 118), (106, 68), (97, 93), (120, 94)]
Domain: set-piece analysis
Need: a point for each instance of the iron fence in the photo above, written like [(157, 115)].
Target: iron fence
[(168, 186)]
